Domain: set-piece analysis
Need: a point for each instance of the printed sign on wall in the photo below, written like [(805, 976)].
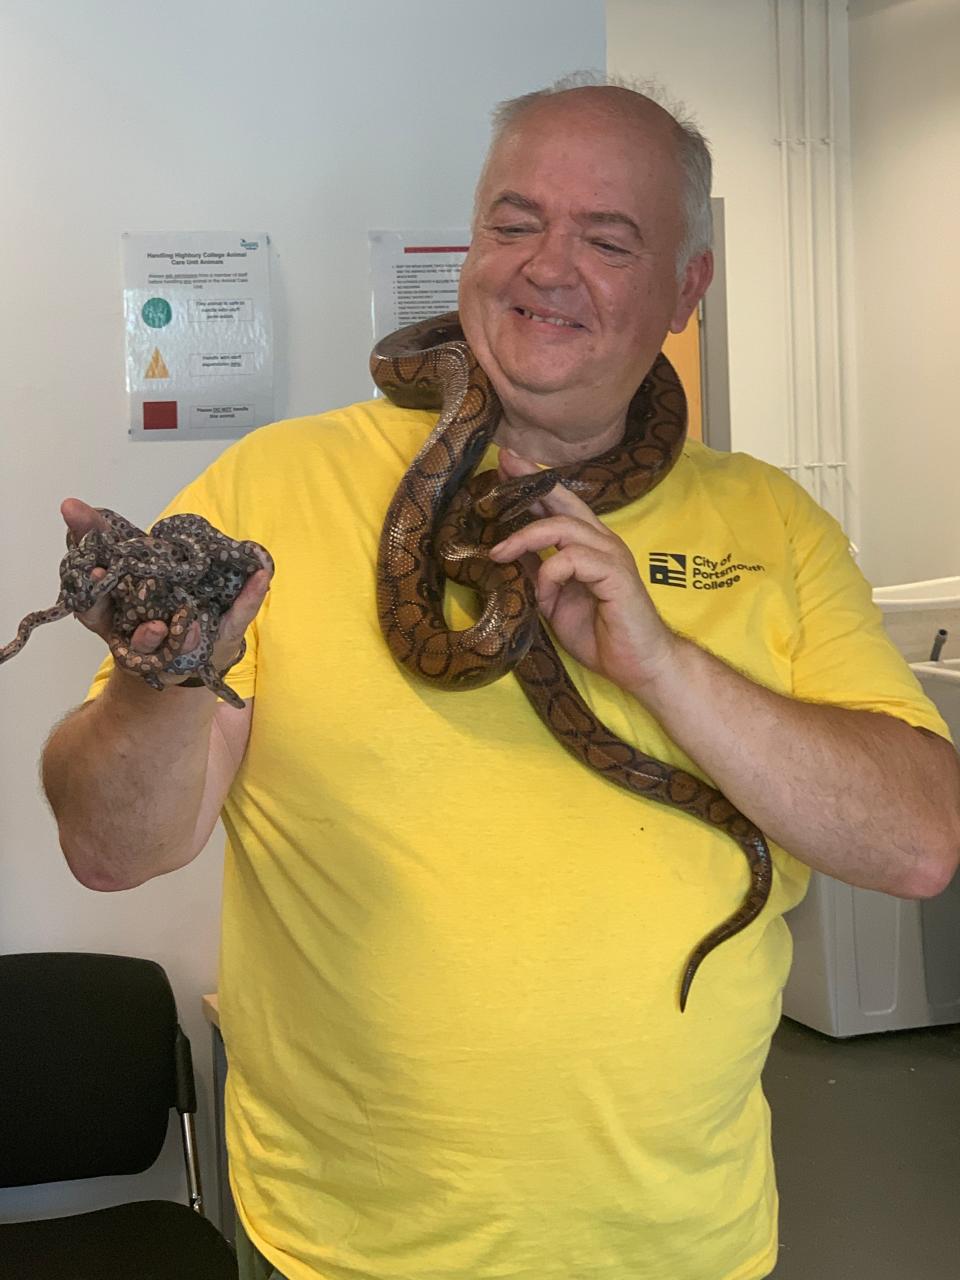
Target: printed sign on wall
[(415, 275), (199, 334)]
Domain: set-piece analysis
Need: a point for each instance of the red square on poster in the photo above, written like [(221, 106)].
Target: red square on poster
[(159, 415)]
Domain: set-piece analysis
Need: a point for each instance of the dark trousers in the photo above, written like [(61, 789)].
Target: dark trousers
[(252, 1264)]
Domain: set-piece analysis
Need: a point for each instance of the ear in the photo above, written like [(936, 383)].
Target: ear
[(697, 275)]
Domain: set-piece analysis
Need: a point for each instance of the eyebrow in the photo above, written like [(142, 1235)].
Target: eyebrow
[(611, 218), (516, 201), (596, 218)]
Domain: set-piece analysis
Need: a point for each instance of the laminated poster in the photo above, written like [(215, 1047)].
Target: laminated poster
[(199, 334), (415, 275)]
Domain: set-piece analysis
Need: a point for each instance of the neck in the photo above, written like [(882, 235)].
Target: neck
[(555, 439)]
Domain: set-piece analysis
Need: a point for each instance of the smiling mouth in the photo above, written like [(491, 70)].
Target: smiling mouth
[(556, 321)]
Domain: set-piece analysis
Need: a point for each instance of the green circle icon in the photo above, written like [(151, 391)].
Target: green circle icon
[(156, 312)]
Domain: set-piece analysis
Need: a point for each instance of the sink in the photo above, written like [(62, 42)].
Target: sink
[(941, 684), (913, 612)]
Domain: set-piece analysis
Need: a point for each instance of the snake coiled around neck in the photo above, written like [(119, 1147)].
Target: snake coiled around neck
[(443, 517)]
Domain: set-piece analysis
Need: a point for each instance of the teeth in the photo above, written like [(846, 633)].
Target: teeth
[(565, 324)]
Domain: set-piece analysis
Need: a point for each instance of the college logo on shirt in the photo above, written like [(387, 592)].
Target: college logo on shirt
[(668, 569), (702, 573)]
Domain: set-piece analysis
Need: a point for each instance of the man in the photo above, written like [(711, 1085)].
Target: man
[(451, 952)]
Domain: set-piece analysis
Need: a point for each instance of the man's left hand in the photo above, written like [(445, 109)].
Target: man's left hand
[(589, 590)]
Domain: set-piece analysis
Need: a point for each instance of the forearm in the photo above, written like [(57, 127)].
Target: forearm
[(125, 776), (861, 796)]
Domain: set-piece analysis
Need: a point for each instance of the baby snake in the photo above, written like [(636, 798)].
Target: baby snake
[(183, 571), (442, 518)]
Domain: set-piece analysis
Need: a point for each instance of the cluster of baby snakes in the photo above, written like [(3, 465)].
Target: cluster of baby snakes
[(183, 571), (443, 517)]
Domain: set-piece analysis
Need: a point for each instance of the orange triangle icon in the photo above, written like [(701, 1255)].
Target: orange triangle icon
[(156, 368)]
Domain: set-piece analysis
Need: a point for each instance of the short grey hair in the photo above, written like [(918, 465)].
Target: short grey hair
[(693, 150)]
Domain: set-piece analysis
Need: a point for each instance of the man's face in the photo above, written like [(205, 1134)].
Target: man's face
[(570, 284)]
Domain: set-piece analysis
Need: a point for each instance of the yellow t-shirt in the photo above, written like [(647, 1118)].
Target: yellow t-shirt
[(450, 952)]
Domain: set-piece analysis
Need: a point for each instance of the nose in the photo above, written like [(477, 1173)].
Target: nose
[(552, 265)]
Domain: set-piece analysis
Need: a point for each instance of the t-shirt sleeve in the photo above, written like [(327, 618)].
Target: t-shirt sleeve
[(216, 496), (842, 654)]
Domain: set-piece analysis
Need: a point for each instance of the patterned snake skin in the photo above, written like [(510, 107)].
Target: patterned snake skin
[(183, 571), (441, 520)]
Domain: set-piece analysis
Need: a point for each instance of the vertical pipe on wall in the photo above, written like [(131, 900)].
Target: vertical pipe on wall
[(833, 242), (809, 191), (815, 332), (789, 283)]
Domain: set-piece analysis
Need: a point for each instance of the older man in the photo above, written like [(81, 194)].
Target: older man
[(450, 951)]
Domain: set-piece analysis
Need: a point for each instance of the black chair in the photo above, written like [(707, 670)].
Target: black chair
[(91, 1062)]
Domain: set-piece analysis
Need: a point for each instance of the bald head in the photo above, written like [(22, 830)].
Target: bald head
[(613, 100), (653, 126)]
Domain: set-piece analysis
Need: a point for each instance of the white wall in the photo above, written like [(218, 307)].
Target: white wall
[(905, 108), (719, 59), (313, 122)]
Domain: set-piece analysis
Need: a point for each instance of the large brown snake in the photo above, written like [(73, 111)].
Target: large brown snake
[(440, 520)]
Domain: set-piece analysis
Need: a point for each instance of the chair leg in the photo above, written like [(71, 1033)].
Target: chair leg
[(189, 1136)]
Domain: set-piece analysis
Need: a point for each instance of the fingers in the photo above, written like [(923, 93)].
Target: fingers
[(561, 501), (555, 531), (587, 554), (149, 636), (265, 559), (233, 624), (246, 607), (585, 566), (510, 465), (80, 517)]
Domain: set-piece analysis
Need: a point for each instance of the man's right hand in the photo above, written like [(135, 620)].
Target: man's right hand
[(80, 518)]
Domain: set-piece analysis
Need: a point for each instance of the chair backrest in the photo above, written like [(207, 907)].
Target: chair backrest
[(89, 1048)]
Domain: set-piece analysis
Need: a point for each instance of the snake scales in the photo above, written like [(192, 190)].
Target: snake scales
[(441, 519), (183, 571)]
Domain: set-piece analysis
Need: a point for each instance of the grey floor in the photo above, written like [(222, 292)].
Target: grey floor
[(866, 1135)]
